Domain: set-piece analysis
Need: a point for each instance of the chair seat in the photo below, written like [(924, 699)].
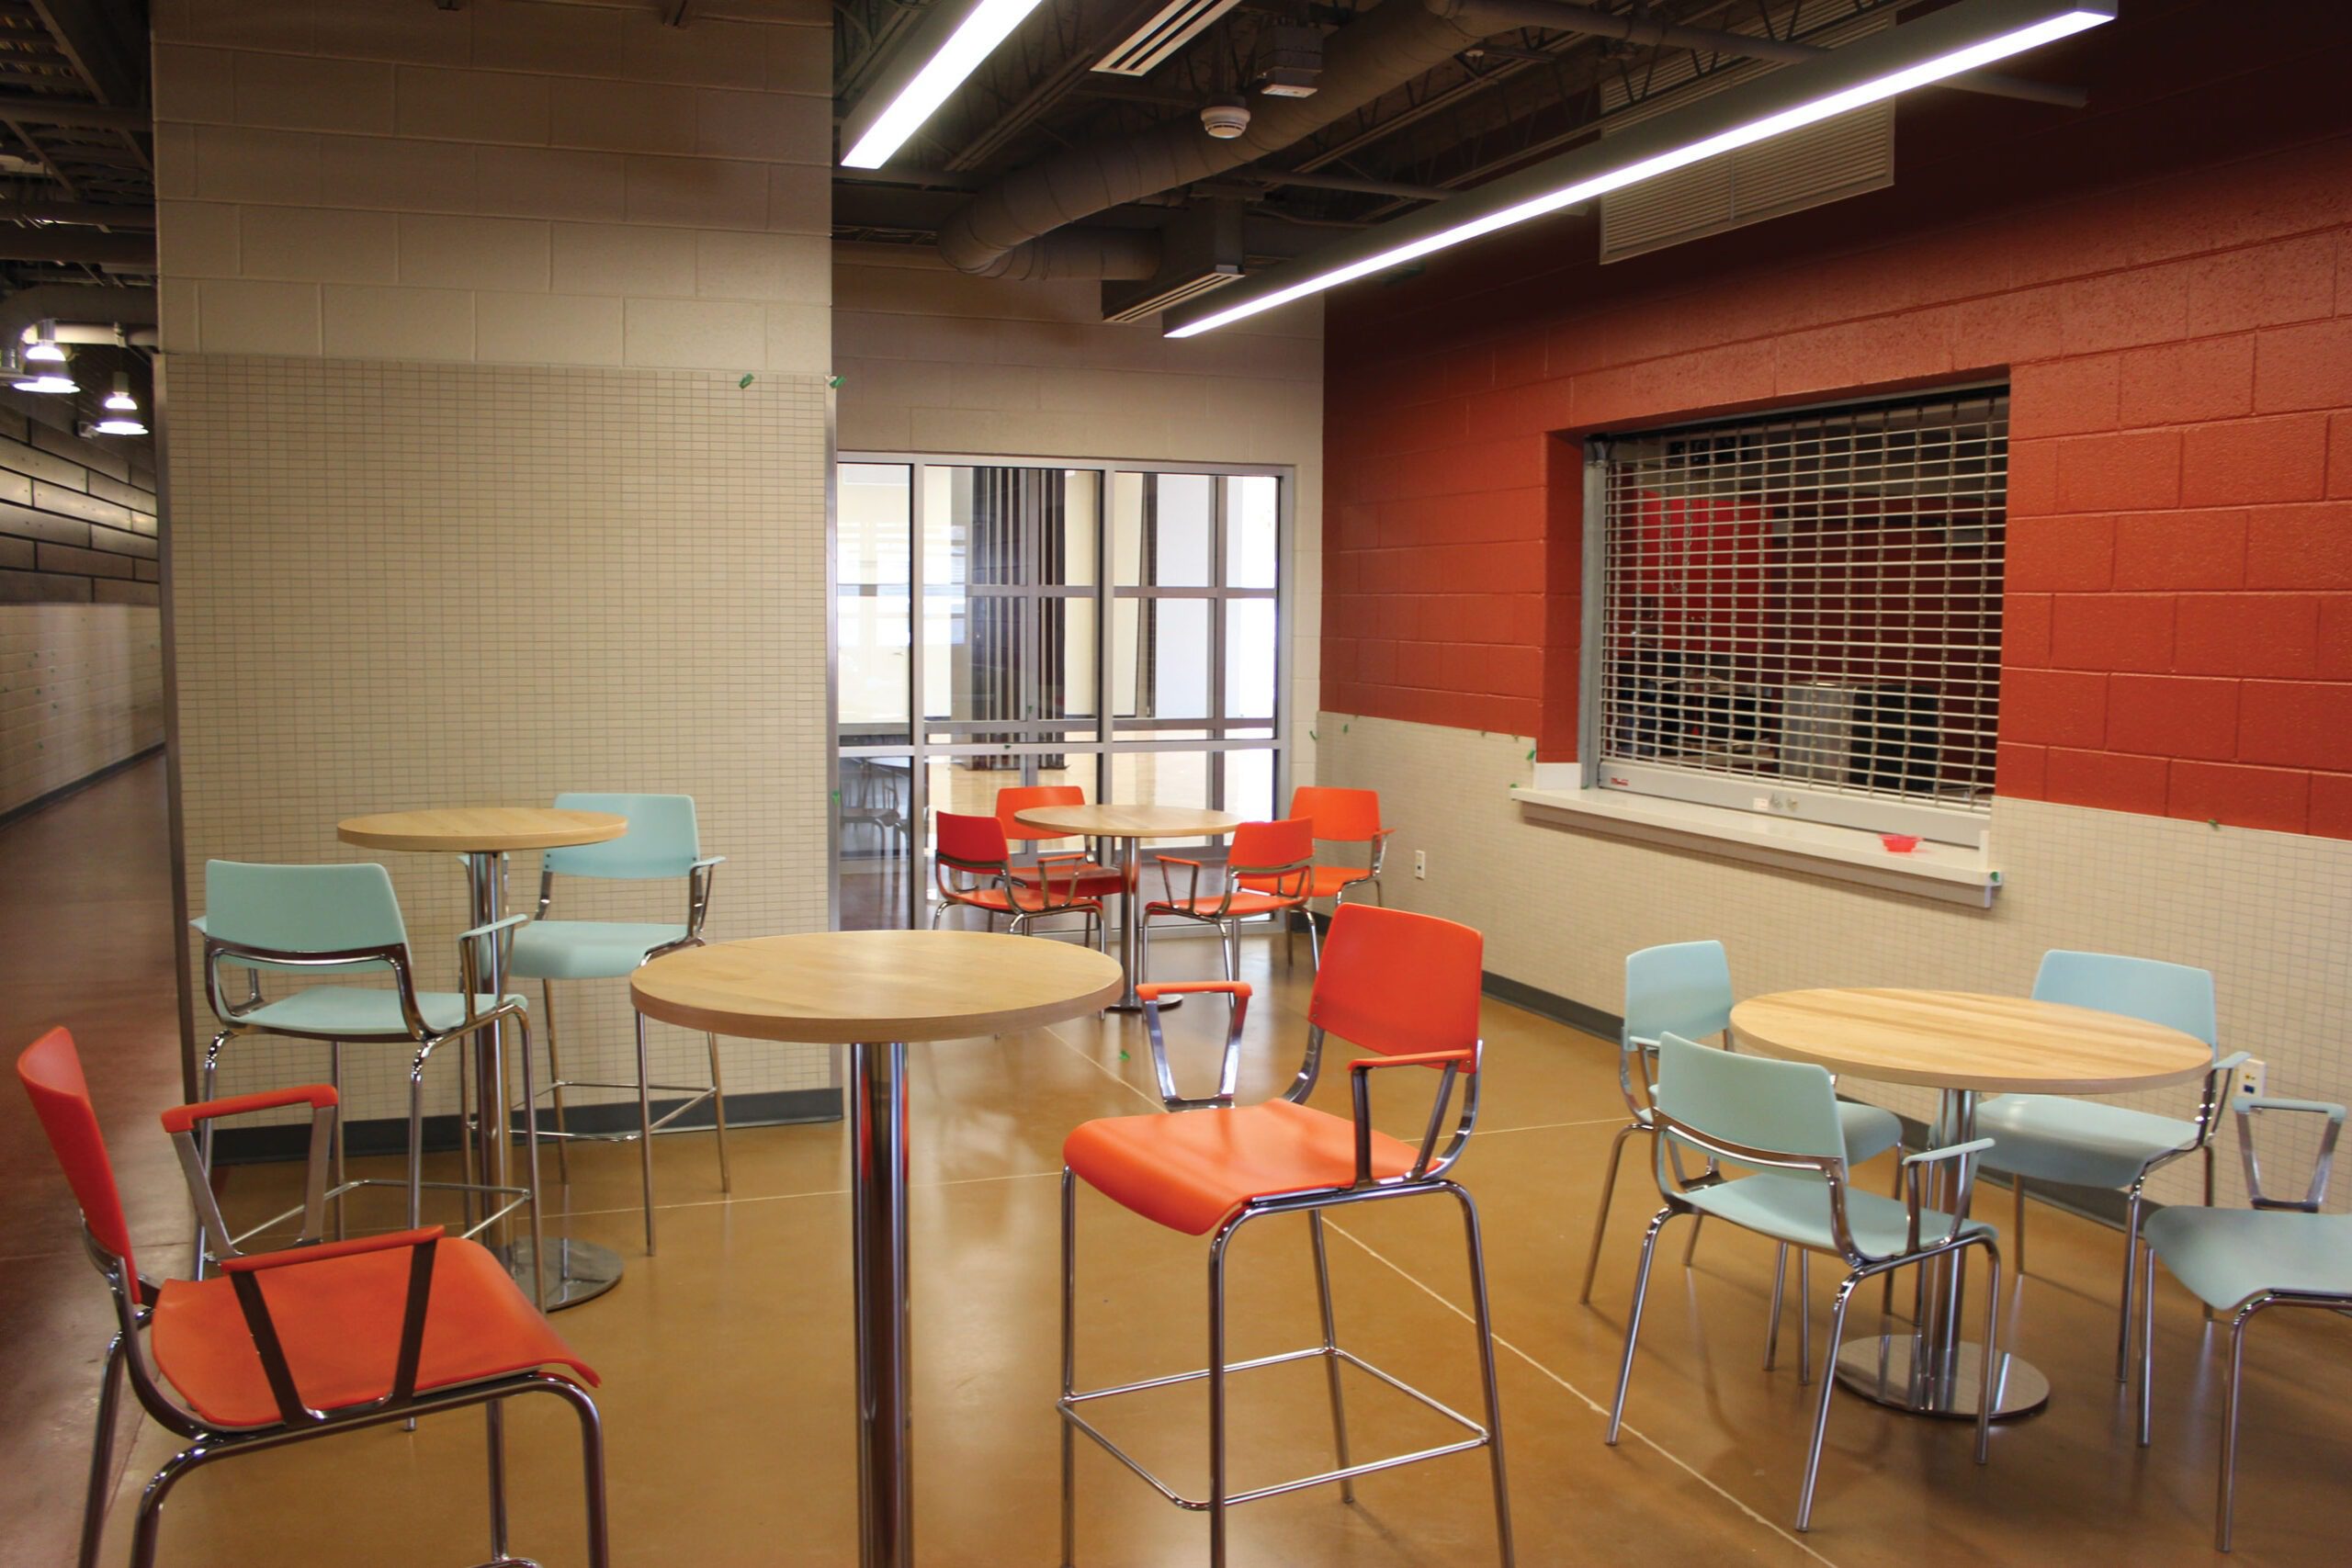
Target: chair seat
[(1212, 906), (997, 901), (353, 1013), (1094, 880), (1189, 1170), (2224, 1256), (1796, 1209), (585, 950), (1325, 881), (2086, 1142), (340, 1324), (1869, 1131)]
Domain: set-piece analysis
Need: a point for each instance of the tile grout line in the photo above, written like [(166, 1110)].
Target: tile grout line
[(1597, 1409)]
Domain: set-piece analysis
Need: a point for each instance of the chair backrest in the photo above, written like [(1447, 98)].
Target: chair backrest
[(1014, 799), (1398, 983), (661, 840), (303, 908), (971, 842), (1787, 1108), (52, 1073), (1683, 988), (2173, 995), (1270, 846), (1340, 815)]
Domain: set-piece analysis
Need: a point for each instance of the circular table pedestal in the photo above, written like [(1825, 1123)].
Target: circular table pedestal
[(1880, 1370), (577, 1271)]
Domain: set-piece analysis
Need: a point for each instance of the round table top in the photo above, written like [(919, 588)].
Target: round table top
[(1108, 821), (841, 987), (480, 829), (1963, 1040)]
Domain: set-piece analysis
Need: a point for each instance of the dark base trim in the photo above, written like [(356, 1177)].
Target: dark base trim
[(389, 1135), (43, 802), (2092, 1203)]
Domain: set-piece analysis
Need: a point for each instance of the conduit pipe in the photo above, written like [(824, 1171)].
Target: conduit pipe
[(84, 313)]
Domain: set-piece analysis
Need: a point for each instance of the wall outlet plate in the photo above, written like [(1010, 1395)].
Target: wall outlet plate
[(1420, 864)]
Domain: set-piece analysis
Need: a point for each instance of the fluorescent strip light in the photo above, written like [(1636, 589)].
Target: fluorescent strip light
[(1828, 106), (973, 39)]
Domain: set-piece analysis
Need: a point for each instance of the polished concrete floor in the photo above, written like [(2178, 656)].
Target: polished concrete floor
[(727, 1358)]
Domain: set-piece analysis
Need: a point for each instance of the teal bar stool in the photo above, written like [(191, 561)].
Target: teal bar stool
[(1684, 988), (342, 921), (2091, 1142), (1780, 1121), (662, 844), (2243, 1262)]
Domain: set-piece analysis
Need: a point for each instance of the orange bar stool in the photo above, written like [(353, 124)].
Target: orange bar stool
[(1266, 873), (1341, 817), (1403, 987), (322, 1337), (972, 867), (1092, 878)]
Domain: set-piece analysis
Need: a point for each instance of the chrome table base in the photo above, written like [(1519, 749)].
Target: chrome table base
[(577, 1271), (878, 1131), (1889, 1370)]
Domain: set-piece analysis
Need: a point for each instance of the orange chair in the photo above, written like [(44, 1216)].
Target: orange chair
[(281, 1347), (1092, 877), (1266, 873), (1406, 987), (973, 867), (1342, 816)]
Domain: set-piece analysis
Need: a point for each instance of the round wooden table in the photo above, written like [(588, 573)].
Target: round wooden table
[(1127, 827), (1964, 1045), (484, 835), (875, 992)]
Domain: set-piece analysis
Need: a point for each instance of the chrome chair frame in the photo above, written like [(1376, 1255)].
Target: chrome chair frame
[(1427, 1176), (135, 1297), (2246, 1106), (700, 875), (1001, 874), (1674, 1136), (1228, 924), (1305, 913), (398, 959)]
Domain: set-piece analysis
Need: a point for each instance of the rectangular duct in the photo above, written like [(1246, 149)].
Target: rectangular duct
[(1170, 29)]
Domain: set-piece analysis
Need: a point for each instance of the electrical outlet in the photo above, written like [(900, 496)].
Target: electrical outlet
[(2253, 1078), (1420, 864)]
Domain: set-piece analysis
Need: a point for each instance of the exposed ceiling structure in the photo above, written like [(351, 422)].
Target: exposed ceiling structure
[(1044, 165)]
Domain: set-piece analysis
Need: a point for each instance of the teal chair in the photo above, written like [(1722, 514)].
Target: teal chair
[(663, 844), (1780, 1121), (341, 922), (1684, 988), (2091, 1142), (2243, 1262)]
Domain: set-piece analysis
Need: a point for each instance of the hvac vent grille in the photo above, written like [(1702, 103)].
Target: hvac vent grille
[(1171, 297), (1846, 156), (1172, 27)]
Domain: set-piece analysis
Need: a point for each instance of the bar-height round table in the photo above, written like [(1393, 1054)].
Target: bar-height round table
[(877, 992), (485, 835), (1127, 827), (1963, 1045)]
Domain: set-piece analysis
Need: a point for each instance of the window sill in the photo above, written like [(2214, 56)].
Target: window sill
[(1943, 872)]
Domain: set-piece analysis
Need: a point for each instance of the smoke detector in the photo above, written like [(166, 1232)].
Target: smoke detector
[(1225, 119)]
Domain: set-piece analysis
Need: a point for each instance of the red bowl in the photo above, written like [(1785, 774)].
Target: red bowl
[(1900, 843)]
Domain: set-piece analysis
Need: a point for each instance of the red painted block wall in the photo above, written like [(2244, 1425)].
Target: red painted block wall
[(2163, 278)]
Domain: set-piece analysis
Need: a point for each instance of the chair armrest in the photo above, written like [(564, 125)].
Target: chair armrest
[(707, 862), (476, 933), (1464, 1059), (2219, 1077), (244, 1276), (469, 976), (1359, 1071), (184, 1118), (1950, 1151), (1166, 885), (2247, 1107), (1229, 1065), (1073, 859), (1915, 1194), (699, 876)]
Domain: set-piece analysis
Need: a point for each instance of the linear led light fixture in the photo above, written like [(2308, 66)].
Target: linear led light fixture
[(1962, 38), (950, 46)]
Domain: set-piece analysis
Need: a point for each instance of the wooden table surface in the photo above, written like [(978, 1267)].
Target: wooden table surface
[(839, 987), (480, 829), (1960, 1040), (1109, 821)]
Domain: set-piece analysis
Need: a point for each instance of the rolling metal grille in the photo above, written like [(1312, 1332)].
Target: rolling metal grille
[(1810, 599)]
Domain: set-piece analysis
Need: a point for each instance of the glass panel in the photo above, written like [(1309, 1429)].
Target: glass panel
[(1066, 663), (999, 654), (871, 609), (1081, 529), (871, 813), (1160, 658), (1250, 784), (1163, 529), (1162, 778), (1252, 530), (1250, 658)]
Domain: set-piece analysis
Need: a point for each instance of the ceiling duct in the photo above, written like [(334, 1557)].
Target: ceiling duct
[(1202, 250), (1169, 29)]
